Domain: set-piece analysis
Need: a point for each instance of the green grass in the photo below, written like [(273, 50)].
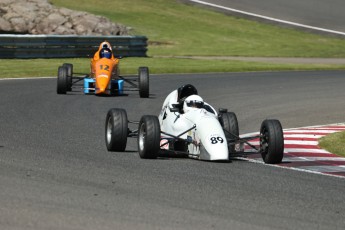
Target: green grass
[(177, 29), (48, 67), (191, 30), (334, 143)]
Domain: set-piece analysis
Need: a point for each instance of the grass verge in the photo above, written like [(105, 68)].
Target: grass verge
[(174, 28), (48, 67), (334, 143), (177, 29)]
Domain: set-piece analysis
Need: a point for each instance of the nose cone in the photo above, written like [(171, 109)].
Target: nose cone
[(104, 68), (102, 82), (213, 140)]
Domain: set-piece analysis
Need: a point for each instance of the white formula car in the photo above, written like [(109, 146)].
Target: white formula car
[(189, 126)]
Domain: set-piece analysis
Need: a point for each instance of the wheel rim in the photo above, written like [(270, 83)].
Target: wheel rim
[(264, 141), (109, 130), (142, 135)]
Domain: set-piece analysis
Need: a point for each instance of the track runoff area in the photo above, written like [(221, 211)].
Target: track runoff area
[(205, 3), (302, 153)]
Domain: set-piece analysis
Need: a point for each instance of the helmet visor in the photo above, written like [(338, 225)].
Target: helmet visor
[(195, 104), (106, 54)]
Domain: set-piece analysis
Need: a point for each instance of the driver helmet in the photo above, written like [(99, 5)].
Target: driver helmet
[(105, 53), (193, 102), (185, 91), (105, 44)]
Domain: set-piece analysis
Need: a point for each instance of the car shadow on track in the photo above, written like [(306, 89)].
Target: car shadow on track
[(177, 156), (77, 93)]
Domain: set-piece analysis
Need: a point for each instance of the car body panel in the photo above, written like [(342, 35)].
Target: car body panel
[(103, 70), (116, 87), (207, 140)]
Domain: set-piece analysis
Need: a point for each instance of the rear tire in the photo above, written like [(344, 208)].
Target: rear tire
[(271, 142), (62, 80), (143, 82), (116, 130), (229, 123), (149, 137), (69, 68)]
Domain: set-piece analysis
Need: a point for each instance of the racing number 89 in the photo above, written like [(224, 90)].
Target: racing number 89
[(215, 140)]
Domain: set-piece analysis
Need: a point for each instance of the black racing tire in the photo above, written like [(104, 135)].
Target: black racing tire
[(149, 137), (229, 123), (144, 82), (116, 130), (271, 141), (62, 80), (69, 68)]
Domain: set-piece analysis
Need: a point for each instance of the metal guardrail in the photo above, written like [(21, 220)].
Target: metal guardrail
[(68, 46)]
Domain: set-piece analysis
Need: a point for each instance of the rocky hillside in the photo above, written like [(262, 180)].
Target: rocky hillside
[(40, 17)]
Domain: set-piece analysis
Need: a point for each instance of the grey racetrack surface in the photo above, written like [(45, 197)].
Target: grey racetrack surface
[(55, 171), (317, 13)]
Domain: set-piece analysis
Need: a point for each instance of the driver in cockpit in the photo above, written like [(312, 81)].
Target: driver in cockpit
[(105, 51)]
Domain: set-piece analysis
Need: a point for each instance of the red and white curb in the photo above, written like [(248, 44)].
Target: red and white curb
[(302, 152)]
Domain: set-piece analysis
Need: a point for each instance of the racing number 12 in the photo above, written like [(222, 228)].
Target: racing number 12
[(105, 67)]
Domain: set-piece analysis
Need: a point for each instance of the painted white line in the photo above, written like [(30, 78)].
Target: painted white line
[(301, 159), (313, 136), (316, 126), (302, 150), (291, 142), (338, 129), (258, 161), (324, 168), (293, 150), (311, 131), (268, 18)]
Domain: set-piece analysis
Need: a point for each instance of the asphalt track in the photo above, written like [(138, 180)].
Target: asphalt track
[(55, 171), (325, 15)]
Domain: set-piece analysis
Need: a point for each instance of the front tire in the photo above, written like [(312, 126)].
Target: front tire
[(271, 142), (69, 68), (62, 80), (229, 123), (149, 137), (143, 82), (116, 130)]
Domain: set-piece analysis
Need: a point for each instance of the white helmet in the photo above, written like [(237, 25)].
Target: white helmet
[(106, 44), (193, 102)]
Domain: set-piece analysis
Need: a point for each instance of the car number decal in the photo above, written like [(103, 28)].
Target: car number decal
[(216, 139), (104, 67)]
